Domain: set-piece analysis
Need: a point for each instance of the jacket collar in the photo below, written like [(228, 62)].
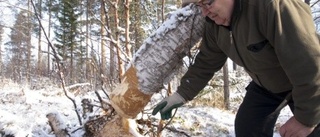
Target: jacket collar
[(237, 8)]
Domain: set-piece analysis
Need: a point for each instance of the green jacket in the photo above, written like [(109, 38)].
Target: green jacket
[(277, 44)]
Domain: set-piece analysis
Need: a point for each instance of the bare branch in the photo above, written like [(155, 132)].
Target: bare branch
[(315, 3)]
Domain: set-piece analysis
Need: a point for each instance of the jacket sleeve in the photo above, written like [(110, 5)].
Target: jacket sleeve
[(290, 29), (209, 60)]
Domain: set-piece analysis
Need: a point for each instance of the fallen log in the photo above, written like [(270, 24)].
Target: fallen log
[(57, 125)]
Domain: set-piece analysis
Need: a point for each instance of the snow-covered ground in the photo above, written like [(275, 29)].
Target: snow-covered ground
[(211, 122), (23, 113)]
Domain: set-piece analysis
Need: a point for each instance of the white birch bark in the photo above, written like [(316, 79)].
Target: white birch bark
[(163, 51)]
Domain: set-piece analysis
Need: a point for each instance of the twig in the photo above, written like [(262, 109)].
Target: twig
[(102, 103), (76, 130), (105, 92), (165, 126), (160, 127), (315, 3), (174, 130)]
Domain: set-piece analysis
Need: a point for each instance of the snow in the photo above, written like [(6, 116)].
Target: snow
[(197, 120), (23, 113), (211, 122)]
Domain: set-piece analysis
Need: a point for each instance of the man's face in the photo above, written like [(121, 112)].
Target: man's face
[(217, 10)]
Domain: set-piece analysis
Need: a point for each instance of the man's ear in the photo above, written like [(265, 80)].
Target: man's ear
[(187, 2)]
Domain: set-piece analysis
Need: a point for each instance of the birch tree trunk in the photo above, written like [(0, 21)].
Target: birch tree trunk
[(87, 73), (103, 39), (151, 67), (156, 60), (49, 35)]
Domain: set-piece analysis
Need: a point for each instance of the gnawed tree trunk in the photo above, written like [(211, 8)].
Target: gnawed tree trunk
[(154, 63), (156, 60)]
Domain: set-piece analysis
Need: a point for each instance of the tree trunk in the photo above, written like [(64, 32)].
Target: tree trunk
[(87, 73), (39, 67), (151, 67), (103, 39), (127, 16), (1, 39), (137, 8), (28, 71), (156, 60), (162, 10), (226, 91), (234, 66), (117, 39), (49, 29)]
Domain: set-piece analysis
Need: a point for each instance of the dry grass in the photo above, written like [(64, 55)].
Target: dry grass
[(214, 97), (211, 98)]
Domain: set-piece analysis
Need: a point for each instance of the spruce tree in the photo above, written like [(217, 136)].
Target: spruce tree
[(68, 36)]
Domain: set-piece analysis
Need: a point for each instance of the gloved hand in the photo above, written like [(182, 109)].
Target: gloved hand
[(167, 104)]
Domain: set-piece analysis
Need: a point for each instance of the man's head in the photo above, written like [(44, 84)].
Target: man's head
[(219, 11)]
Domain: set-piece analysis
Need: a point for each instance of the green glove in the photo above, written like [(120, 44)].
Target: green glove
[(167, 104)]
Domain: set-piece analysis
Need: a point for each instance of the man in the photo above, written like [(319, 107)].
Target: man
[(277, 44)]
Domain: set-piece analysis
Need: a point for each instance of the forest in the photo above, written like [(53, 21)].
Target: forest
[(89, 47), (92, 38)]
